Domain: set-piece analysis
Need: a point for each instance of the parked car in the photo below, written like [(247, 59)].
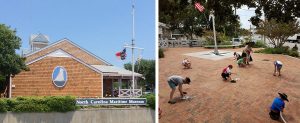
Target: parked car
[(236, 41)]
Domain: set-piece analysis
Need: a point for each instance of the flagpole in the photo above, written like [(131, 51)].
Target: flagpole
[(216, 52), (132, 49)]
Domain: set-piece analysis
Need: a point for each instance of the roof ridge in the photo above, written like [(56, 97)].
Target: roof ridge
[(68, 40)]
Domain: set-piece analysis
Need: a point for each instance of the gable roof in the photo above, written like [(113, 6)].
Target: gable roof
[(62, 53), (70, 47), (39, 38)]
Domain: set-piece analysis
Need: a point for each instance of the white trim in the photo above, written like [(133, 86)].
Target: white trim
[(54, 78), (102, 85), (65, 39), (10, 81), (78, 60)]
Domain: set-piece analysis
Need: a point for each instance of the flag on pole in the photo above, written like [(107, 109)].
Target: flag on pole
[(121, 55), (199, 7)]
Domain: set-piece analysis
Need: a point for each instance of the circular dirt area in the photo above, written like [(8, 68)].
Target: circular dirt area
[(216, 101)]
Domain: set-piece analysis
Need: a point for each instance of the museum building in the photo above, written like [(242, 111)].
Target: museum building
[(65, 68)]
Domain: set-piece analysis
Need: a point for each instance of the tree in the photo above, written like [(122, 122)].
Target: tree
[(145, 67), (280, 10), (180, 14), (278, 32), (10, 62)]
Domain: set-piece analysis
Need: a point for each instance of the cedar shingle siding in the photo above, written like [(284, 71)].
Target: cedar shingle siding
[(71, 49), (82, 81)]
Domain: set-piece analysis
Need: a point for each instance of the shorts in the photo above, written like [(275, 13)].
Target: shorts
[(225, 75), (172, 84), (274, 115)]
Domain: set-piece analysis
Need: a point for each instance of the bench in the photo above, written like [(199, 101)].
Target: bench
[(222, 46)]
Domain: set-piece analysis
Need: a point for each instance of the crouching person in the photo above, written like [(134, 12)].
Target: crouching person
[(186, 63), (174, 81), (226, 74), (278, 106)]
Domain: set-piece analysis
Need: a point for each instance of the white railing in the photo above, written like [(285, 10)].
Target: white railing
[(178, 43), (126, 93)]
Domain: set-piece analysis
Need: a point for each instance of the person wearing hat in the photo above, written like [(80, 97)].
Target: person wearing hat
[(277, 67), (278, 106), (226, 73), (174, 81)]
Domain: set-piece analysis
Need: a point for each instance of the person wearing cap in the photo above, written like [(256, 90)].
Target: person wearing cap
[(277, 67), (226, 73), (278, 106), (174, 81)]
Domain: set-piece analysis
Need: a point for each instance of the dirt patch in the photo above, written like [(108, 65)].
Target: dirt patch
[(216, 101)]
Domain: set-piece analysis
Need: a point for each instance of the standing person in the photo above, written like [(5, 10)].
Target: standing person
[(277, 106), (248, 51), (277, 67), (226, 73), (174, 81), (186, 63)]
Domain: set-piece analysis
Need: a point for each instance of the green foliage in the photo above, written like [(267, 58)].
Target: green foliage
[(3, 105), (161, 53), (279, 50), (289, 10), (259, 44), (61, 103), (180, 14), (278, 32), (145, 67), (10, 62), (295, 48), (38, 104), (150, 100)]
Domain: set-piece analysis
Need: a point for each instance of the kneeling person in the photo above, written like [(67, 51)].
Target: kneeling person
[(227, 73), (174, 81)]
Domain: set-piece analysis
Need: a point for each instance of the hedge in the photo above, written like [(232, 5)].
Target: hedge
[(281, 50), (150, 100), (39, 104)]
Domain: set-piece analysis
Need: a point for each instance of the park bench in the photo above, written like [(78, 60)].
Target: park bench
[(222, 46)]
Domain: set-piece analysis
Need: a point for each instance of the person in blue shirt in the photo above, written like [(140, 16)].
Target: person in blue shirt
[(278, 106)]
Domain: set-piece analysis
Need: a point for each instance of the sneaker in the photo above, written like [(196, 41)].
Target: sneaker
[(233, 81)]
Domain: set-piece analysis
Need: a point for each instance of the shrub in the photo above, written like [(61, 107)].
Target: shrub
[(259, 44), (3, 105), (279, 50), (295, 48), (38, 104), (150, 100), (161, 53)]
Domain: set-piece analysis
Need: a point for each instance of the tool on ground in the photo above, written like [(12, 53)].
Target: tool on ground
[(282, 117)]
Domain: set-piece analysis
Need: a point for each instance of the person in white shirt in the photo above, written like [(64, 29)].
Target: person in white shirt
[(277, 67), (226, 73), (186, 63)]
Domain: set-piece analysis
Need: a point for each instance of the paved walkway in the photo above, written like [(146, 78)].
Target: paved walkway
[(216, 101)]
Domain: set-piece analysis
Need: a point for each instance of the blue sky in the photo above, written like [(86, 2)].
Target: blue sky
[(100, 26), (245, 14)]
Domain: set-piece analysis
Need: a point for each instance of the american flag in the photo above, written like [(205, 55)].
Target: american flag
[(199, 7), (121, 55)]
